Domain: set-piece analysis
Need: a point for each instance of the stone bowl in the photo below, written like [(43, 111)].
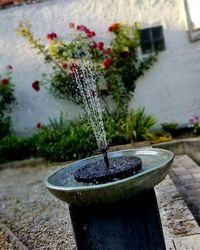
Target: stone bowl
[(156, 164)]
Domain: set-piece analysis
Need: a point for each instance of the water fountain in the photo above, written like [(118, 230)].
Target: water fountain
[(111, 198)]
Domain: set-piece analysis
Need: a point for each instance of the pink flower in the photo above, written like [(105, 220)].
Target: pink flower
[(10, 67), (191, 120), (107, 63), (39, 125), (5, 81), (52, 36), (71, 25), (36, 85)]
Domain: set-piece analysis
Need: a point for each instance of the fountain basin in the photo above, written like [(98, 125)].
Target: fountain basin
[(156, 164)]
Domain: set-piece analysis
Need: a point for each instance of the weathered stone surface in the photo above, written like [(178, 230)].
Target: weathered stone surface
[(191, 242), (181, 230), (181, 147), (8, 241), (188, 182), (34, 216), (176, 218), (170, 244)]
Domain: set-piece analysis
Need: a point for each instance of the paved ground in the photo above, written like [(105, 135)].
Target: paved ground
[(35, 217), (186, 176), (31, 218)]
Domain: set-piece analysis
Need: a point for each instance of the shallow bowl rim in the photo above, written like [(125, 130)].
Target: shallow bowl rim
[(109, 184)]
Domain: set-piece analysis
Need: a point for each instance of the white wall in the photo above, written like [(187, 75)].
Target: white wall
[(170, 90)]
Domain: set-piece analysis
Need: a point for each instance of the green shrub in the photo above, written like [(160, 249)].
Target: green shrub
[(72, 140), (65, 140), (6, 101), (13, 148), (138, 125), (170, 127), (115, 129)]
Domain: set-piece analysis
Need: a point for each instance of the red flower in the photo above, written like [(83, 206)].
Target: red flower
[(52, 36), (87, 30), (114, 26), (107, 51), (91, 34), (82, 28), (71, 25), (73, 66), (5, 81), (110, 28), (36, 85), (10, 67), (100, 45), (94, 45), (64, 65), (39, 125), (107, 63), (73, 74)]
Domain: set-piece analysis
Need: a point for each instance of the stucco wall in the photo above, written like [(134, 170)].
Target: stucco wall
[(170, 90)]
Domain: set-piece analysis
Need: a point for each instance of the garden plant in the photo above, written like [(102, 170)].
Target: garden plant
[(170, 127), (7, 100), (194, 123), (118, 65)]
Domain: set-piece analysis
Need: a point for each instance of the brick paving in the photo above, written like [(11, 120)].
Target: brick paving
[(185, 173)]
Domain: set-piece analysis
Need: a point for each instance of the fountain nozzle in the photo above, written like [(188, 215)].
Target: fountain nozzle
[(105, 155)]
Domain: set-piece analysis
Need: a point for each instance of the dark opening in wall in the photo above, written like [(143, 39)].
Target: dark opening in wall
[(152, 40)]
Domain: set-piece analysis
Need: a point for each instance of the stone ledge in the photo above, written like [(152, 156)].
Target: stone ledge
[(180, 229), (188, 147)]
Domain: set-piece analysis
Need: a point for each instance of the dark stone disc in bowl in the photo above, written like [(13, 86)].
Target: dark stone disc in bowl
[(97, 171)]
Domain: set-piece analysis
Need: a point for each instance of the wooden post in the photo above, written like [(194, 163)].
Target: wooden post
[(131, 224)]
